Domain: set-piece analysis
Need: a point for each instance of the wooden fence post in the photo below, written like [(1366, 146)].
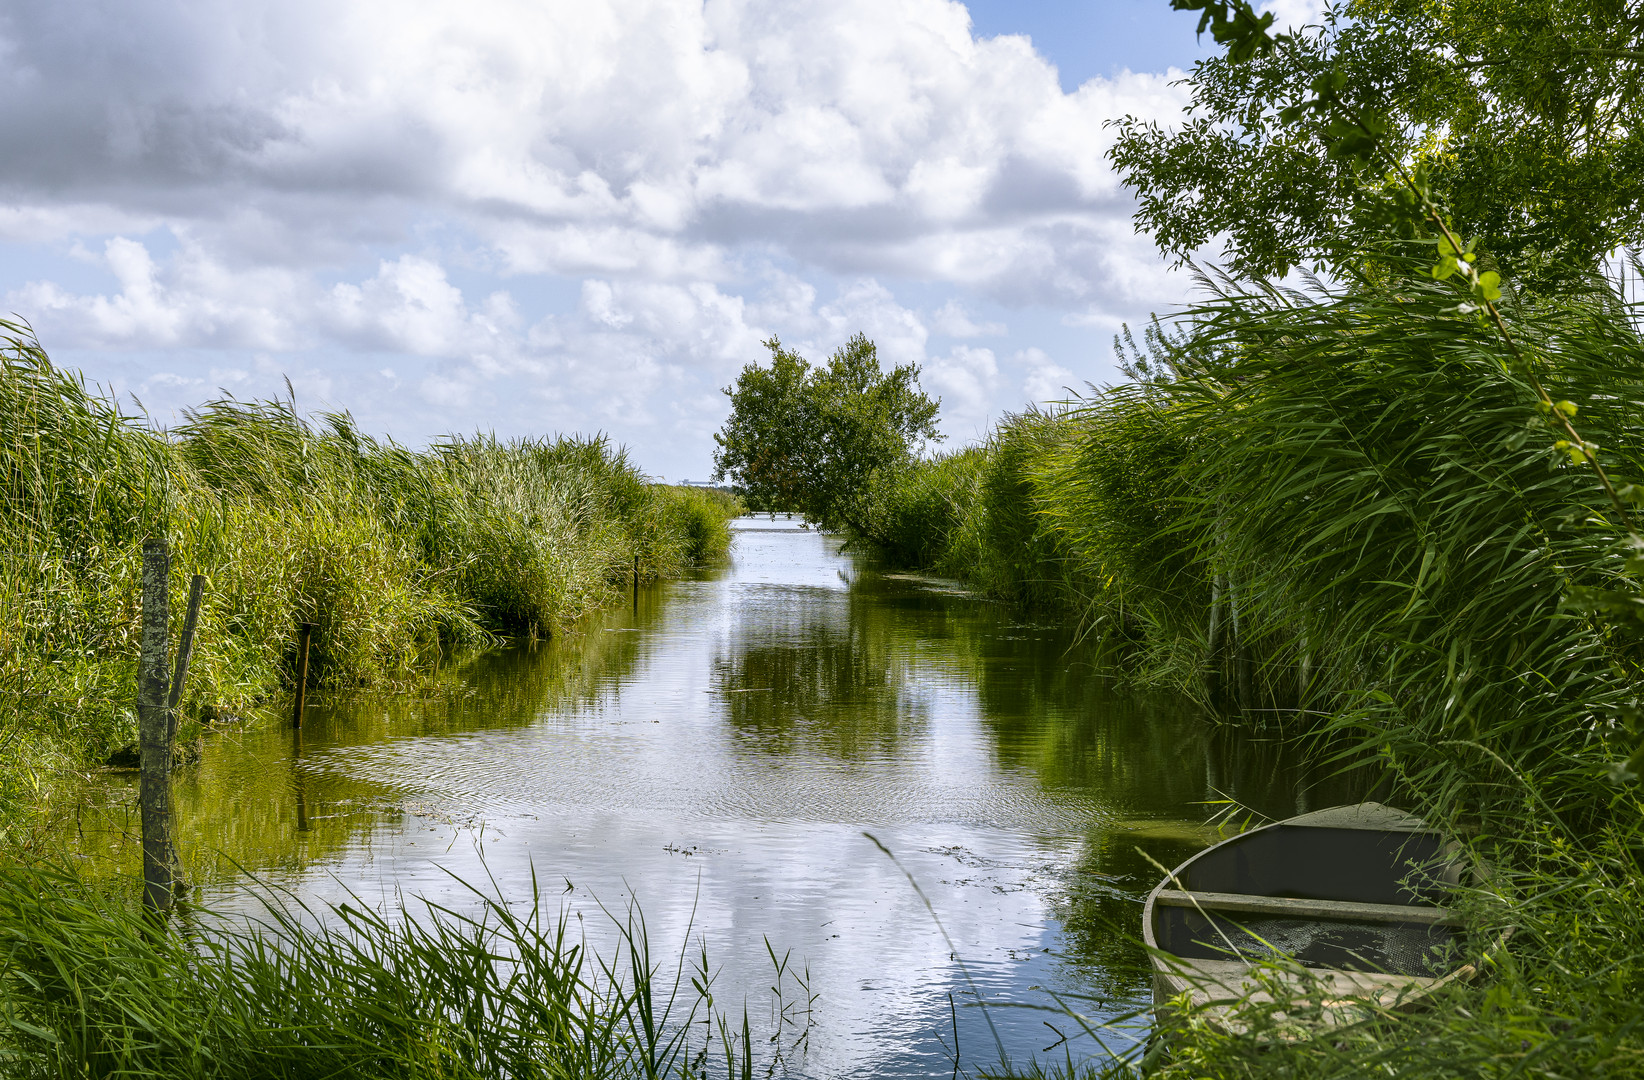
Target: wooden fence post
[(1213, 646), (154, 728), (305, 633), (297, 781), (1241, 651), (185, 653)]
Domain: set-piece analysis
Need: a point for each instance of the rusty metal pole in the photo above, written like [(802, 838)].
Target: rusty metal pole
[(305, 634), (154, 730)]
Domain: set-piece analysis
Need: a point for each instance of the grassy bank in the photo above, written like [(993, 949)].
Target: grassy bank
[(395, 554), (1340, 514)]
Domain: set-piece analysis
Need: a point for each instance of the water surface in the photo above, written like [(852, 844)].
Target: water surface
[(716, 754)]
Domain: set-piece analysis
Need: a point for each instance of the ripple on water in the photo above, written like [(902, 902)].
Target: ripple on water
[(716, 750), (510, 772)]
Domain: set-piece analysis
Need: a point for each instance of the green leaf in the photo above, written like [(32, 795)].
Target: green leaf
[(1635, 764), (32, 1029)]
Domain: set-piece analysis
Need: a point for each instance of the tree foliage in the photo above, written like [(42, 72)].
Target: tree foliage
[(1528, 119), (822, 441)]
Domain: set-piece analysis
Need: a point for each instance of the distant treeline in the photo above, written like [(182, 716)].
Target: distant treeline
[(394, 553)]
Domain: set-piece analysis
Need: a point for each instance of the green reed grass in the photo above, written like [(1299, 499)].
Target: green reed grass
[(1334, 511), (93, 988), (396, 554)]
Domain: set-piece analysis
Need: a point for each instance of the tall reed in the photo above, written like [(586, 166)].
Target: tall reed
[(394, 553), (1338, 512)]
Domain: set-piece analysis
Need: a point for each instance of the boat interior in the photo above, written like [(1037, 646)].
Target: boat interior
[(1381, 892)]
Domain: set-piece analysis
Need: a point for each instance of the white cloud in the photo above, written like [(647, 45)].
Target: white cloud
[(598, 208), (868, 307), (191, 300), (631, 356), (966, 380), (1293, 14), (574, 137), (1046, 381), (951, 320), (408, 306)]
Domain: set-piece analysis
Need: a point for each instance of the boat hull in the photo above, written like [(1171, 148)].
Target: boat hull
[(1338, 912)]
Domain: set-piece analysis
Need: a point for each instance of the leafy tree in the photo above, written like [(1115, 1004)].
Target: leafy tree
[(825, 442), (1527, 119)]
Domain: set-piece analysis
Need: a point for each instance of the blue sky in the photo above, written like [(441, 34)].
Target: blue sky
[(1097, 38), (530, 216)]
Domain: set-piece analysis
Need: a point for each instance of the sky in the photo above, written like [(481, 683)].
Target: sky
[(538, 216)]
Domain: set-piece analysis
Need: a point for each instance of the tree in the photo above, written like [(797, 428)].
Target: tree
[(1527, 117), (824, 442)]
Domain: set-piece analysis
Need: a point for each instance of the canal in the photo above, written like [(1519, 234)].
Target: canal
[(722, 756)]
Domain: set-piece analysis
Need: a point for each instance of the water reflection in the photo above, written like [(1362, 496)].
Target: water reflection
[(281, 801), (717, 750), (816, 672)]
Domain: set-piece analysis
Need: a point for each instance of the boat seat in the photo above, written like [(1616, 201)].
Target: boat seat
[(1285, 906)]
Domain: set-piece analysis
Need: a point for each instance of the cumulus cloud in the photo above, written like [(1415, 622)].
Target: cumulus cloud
[(1046, 381), (966, 379), (409, 306), (1293, 14), (951, 320), (193, 299), (557, 210), (643, 137)]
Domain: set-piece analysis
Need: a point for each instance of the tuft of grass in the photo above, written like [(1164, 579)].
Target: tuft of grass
[(94, 988)]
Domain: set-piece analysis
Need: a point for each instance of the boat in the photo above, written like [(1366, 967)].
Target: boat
[(1335, 914)]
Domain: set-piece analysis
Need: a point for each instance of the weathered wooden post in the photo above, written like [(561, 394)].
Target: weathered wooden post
[(297, 782), (1304, 671), (636, 581), (185, 652), (1240, 647), (154, 728), (305, 633), (1213, 667)]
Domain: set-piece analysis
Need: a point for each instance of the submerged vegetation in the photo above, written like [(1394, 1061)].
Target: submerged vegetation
[(396, 554)]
